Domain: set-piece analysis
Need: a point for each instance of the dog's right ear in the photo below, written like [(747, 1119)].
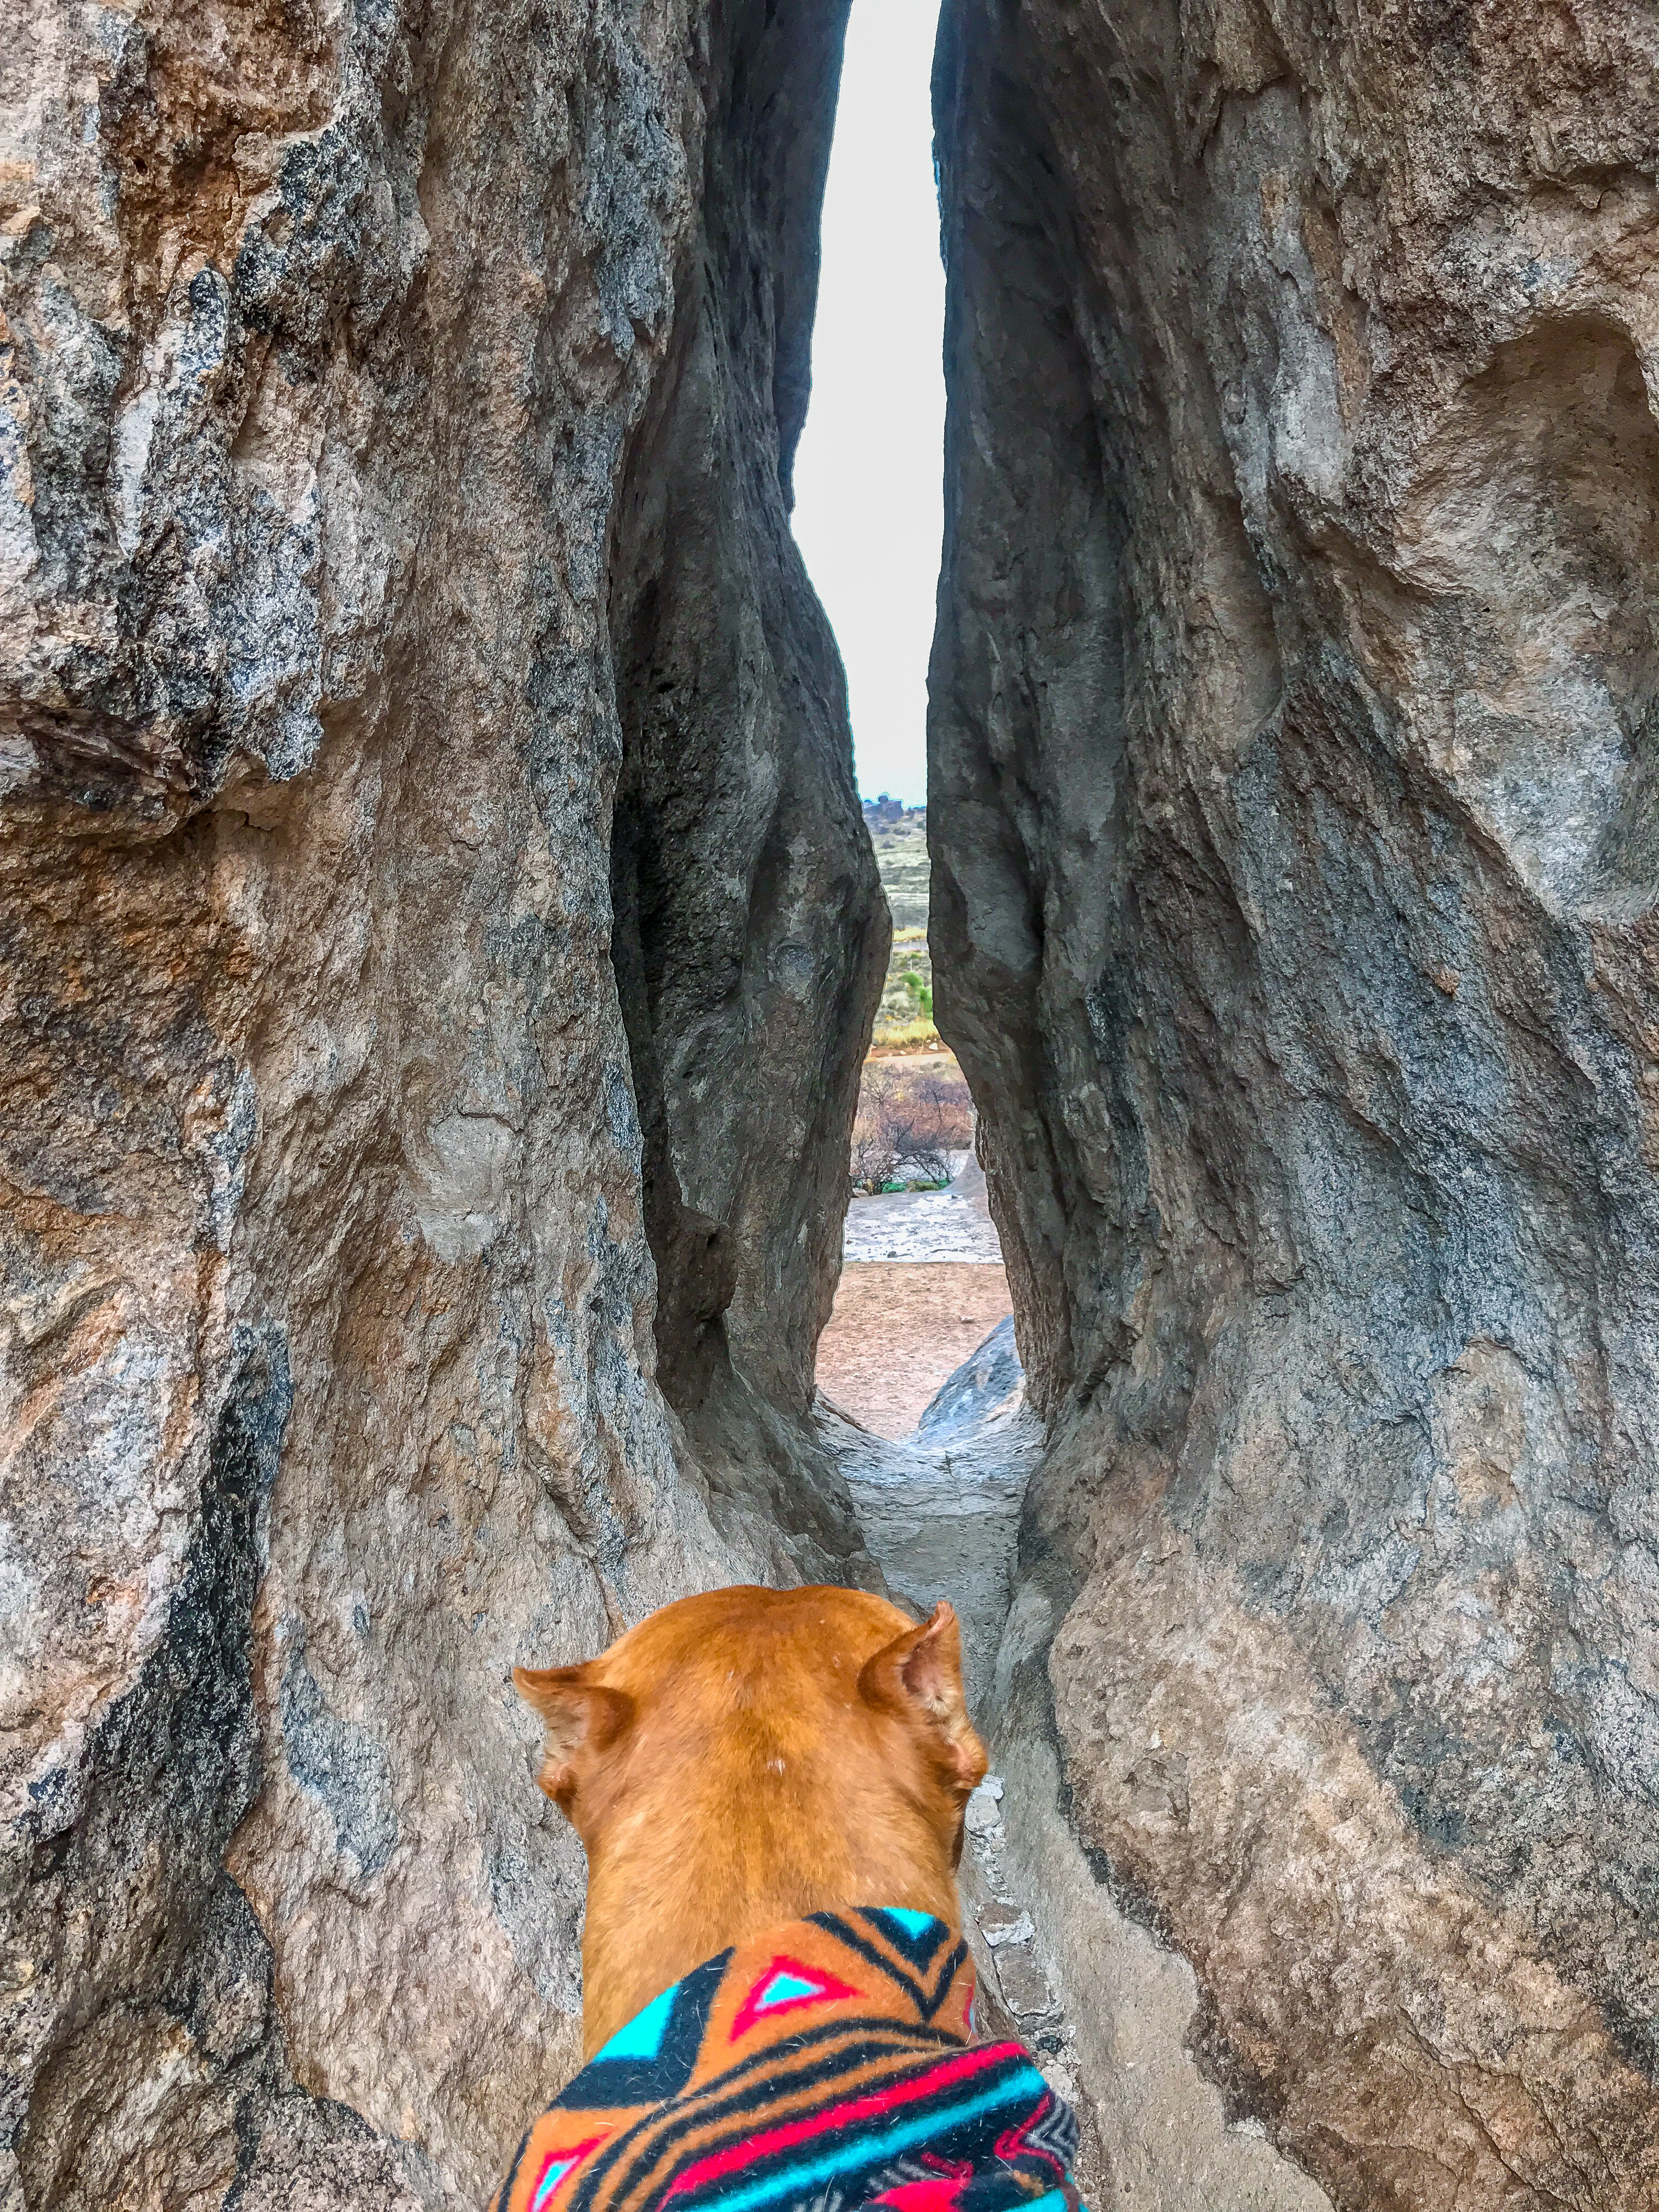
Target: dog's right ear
[(919, 1675), (582, 1719)]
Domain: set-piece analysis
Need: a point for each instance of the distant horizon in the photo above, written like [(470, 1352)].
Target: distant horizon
[(869, 476)]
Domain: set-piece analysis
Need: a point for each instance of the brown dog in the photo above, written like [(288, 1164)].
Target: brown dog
[(745, 1758)]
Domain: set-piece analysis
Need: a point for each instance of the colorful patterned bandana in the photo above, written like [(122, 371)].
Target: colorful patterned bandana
[(828, 2064)]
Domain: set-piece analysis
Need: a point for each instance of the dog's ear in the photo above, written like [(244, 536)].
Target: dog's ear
[(919, 1675), (583, 1719)]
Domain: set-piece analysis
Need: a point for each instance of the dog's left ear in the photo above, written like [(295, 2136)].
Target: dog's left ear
[(919, 1675), (582, 1719)]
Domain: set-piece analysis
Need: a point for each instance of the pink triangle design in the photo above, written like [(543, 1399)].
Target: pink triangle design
[(554, 2168), (786, 1985)]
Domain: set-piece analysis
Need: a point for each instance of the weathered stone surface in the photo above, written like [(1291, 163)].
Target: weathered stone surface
[(991, 1382), (1111, 2013), (941, 1520), (1293, 916), (751, 935), (344, 353)]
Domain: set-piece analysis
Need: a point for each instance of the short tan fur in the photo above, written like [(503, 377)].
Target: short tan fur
[(745, 1758)]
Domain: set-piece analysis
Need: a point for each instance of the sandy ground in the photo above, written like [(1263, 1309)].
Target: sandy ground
[(899, 1329)]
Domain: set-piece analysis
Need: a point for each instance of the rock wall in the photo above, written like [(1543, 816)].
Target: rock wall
[(752, 934), (1294, 865), (367, 374)]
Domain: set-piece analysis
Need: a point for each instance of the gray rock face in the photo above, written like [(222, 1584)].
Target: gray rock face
[(1109, 2012), (751, 932), (941, 1518), (990, 1382), (1294, 873), (356, 374)]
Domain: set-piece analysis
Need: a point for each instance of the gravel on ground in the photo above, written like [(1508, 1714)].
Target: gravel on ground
[(927, 1224)]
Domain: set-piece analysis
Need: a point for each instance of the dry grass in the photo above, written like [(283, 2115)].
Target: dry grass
[(903, 1036), (905, 1016)]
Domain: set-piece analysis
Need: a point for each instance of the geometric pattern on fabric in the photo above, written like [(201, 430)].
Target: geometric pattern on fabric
[(629, 2071), (555, 2166), (917, 1934), (645, 2034), (784, 1986), (922, 1961), (828, 2064)]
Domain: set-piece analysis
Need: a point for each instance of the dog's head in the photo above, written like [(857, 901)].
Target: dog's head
[(801, 1748)]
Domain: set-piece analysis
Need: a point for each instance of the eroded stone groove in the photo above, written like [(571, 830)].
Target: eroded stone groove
[(1292, 739), (344, 356)]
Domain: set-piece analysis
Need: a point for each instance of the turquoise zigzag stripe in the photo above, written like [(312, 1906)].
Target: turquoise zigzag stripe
[(798, 2179)]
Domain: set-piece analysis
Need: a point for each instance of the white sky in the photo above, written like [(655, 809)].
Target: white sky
[(869, 508)]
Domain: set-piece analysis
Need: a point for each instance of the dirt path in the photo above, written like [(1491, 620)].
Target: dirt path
[(927, 1224), (940, 1511), (899, 1329), (1112, 2019)]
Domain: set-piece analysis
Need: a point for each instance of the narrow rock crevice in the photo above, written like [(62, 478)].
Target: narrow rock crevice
[(441, 940), (1082, 1971), (750, 936)]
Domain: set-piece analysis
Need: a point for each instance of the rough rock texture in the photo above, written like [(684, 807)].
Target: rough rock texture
[(1294, 844), (751, 934), (941, 1519), (397, 407), (1109, 2011)]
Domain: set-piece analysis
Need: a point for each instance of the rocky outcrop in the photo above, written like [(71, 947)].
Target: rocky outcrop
[(1108, 2012), (440, 938), (939, 1510), (1293, 917), (398, 407), (752, 933)]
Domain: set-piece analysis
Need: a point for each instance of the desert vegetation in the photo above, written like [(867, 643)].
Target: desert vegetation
[(899, 834), (913, 1114), (904, 1019)]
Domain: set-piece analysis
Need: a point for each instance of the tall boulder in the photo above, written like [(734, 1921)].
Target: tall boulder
[(340, 352), (1295, 861)]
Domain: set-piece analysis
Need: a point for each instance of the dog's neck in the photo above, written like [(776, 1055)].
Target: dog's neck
[(674, 1888)]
